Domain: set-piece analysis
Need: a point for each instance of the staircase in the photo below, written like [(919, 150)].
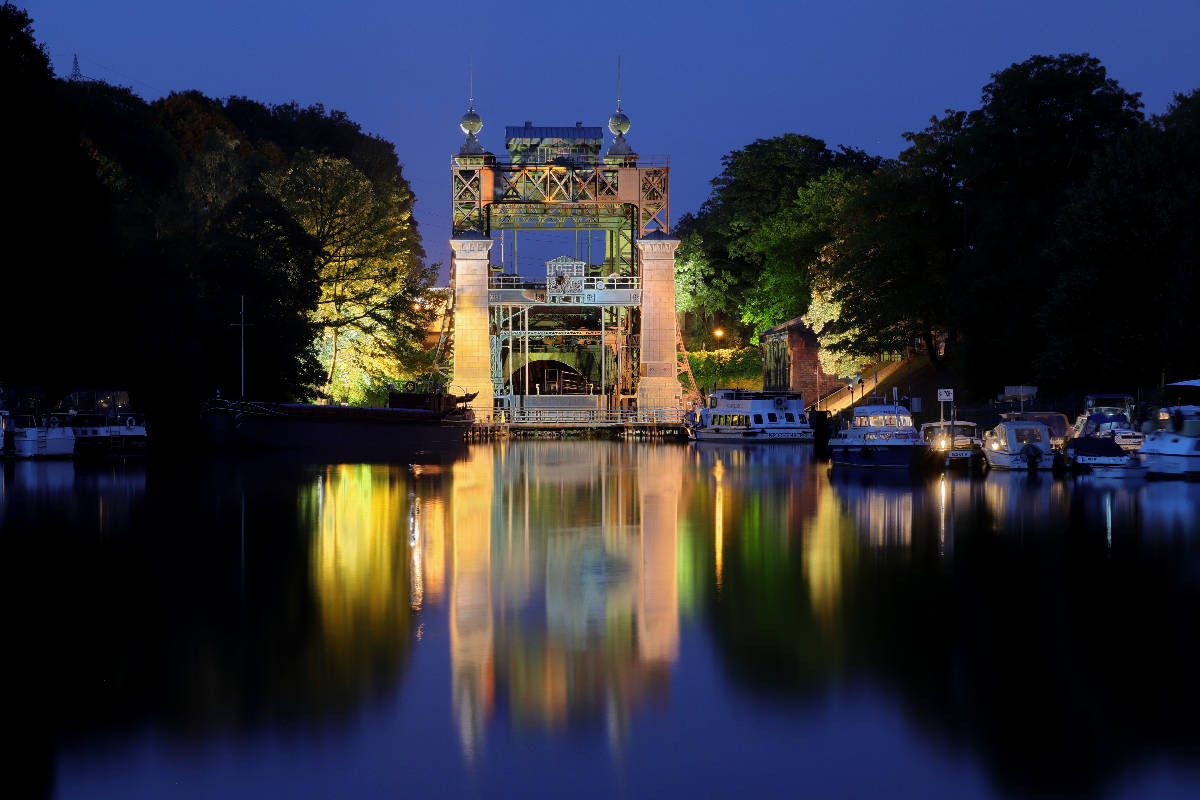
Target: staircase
[(691, 392)]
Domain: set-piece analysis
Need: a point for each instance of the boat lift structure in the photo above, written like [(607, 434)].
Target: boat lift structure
[(590, 334)]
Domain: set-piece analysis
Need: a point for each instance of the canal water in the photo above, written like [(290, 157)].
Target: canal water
[(596, 619)]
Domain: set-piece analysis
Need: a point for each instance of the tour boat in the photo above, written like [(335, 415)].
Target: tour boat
[(1172, 448), (736, 415), (879, 436), (958, 441), (1106, 425), (1019, 445), (28, 437)]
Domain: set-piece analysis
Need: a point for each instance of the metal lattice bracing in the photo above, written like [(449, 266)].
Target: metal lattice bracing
[(555, 179)]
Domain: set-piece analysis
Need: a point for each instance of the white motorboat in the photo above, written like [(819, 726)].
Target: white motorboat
[(736, 415), (34, 438), (958, 442), (879, 436), (1019, 445), (1172, 447)]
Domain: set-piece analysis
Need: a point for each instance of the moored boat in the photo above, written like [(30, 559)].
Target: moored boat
[(27, 436), (957, 441), (1102, 457), (1019, 445), (880, 436), (1172, 446), (735, 415)]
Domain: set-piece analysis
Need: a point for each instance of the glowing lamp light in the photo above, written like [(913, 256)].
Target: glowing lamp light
[(718, 333), (995, 445)]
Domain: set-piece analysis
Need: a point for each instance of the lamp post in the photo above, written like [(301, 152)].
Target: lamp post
[(718, 333)]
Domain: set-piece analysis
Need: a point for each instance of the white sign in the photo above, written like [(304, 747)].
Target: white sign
[(945, 395)]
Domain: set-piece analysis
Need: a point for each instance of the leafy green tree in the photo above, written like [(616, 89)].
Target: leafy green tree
[(370, 313), (1128, 256), (756, 182), (1041, 125), (257, 251), (788, 243)]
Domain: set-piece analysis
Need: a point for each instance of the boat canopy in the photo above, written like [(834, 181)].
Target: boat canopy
[(1186, 383)]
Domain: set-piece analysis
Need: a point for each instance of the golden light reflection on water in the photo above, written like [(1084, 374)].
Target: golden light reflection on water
[(360, 556), (561, 567)]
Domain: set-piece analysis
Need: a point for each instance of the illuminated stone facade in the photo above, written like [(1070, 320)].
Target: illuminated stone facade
[(472, 361)]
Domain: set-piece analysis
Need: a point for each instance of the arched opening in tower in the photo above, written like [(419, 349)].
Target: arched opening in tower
[(550, 377)]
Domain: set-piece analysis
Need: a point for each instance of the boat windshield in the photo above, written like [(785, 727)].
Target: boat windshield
[(932, 432), (1027, 435)]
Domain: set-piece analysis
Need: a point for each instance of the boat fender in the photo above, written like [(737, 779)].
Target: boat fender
[(129, 423), (53, 422)]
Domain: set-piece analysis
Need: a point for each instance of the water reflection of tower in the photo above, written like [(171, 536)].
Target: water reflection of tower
[(660, 474), (562, 584), (471, 633)]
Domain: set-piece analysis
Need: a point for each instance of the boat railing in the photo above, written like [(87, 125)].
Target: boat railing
[(588, 416)]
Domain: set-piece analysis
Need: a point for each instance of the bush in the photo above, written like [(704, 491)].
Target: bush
[(730, 369)]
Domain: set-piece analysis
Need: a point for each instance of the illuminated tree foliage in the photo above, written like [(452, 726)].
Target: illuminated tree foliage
[(975, 243), (152, 220), (372, 285)]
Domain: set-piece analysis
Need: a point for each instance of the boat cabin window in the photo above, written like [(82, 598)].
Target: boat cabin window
[(771, 417), (758, 419), (790, 417), (1027, 435)]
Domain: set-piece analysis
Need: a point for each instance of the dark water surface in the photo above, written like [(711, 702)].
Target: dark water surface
[(598, 619)]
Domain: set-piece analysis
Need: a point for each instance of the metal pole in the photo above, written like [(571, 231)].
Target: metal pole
[(603, 356), (243, 347), (525, 336)]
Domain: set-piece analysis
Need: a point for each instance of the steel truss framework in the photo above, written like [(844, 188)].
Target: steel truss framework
[(625, 198)]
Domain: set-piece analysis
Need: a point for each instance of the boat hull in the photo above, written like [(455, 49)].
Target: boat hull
[(896, 456), (1018, 462), (751, 436), (333, 435)]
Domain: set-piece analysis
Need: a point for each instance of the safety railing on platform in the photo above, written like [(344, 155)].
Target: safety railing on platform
[(588, 416), (590, 283)]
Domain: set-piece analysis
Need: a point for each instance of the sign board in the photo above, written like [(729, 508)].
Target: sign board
[(945, 395)]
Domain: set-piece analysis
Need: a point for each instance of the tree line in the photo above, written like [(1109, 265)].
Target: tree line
[(137, 227), (1047, 236)]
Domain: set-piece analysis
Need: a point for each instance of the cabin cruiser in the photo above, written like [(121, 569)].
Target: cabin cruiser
[(1058, 424), (879, 436), (1019, 444), (1109, 415), (1104, 425), (1172, 447), (957, 441), (736, 415), (27, 436)]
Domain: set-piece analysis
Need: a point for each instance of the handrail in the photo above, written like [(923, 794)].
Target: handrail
[(591, 282), (571, 161), (587, 416)]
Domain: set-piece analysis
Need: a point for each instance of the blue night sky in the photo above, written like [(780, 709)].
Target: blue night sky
[(700, 78)]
